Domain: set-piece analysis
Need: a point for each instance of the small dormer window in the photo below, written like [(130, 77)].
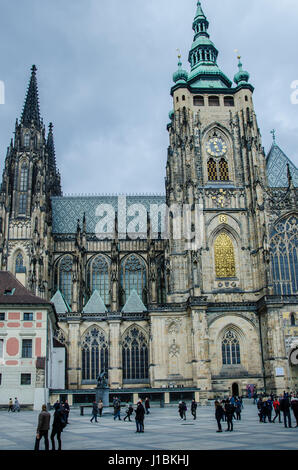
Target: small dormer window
[(9, 291)]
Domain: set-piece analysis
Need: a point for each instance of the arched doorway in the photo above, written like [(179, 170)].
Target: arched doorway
[(235, 390)]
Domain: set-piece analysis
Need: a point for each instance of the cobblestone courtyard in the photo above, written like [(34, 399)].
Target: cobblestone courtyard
[(163, 431)]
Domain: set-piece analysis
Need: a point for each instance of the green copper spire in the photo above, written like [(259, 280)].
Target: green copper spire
[(180, 76), (242, 77), (205, 72)]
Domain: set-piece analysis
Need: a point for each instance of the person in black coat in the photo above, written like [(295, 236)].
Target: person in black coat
[(194, 406), (140, 415), (94, 412), (219, 413), (229, 409), (59, 424), (285, 407)]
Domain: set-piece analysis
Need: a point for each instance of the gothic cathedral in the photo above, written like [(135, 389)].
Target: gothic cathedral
[(158, 311)]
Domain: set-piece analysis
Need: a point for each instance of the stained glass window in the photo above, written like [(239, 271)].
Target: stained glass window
[(22, 204), (230, 349), (99, 278), (224, 257), (284, 258), (161, 281), (212, 170), (133, 276), (135, 355), (95, 354), (65, 278), (24, 178), (19, 264), (223, 170)]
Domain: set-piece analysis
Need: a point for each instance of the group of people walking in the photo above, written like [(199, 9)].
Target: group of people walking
[(60, 420), (284, 404), (227, 410), (14, 406)]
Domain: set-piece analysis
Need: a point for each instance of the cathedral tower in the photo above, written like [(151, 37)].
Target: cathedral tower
[(30, 178)]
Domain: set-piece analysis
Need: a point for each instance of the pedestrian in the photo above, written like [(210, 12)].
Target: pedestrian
[(229, 409), (94, 412), (147, 406), (238, 410), (10, 405), (294, 406), (140, 416), (184, 410), (100, 408), (16, 405), (255, 396), (269, 408), (194, 406), (223, 405), (219, 412), (276, 407), (180, 411), (66, 409), (43, 427), (59, 424), (117, 408), (285, 407), (129, 411)]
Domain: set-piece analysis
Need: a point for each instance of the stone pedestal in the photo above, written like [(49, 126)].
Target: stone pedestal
[(103, 394)]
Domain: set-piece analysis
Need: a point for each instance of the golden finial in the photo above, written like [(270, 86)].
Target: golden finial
[(179, 53)]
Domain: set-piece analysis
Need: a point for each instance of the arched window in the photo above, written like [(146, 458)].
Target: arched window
[(24, 177), (212, 170), (284, 257), (65, 278), (229, 101), (133, 277), (135, 355), (198, 101), (99, 278), (224, 257), (19, 264), (223, 170), (213, 101), (230, 349), (292, 319), (95, 354)]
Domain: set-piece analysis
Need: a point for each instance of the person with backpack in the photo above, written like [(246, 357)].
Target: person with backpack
[(219, 413), (59, 424), (194, 406), (238, 409), (94, 412)]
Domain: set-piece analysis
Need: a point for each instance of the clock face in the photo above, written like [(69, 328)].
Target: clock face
[(216, 147)]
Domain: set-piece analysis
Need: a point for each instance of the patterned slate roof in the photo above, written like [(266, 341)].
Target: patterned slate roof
[(277, 168), (68, 209), (134, 304), (95, 304)]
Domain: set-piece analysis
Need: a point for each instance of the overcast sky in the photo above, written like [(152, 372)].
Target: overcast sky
[(105, 72)]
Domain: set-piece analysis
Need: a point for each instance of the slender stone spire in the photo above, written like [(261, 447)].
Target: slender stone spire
[(31, 107), (51, 148)]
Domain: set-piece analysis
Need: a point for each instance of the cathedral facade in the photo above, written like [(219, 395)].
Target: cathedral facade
[(212, 308)]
